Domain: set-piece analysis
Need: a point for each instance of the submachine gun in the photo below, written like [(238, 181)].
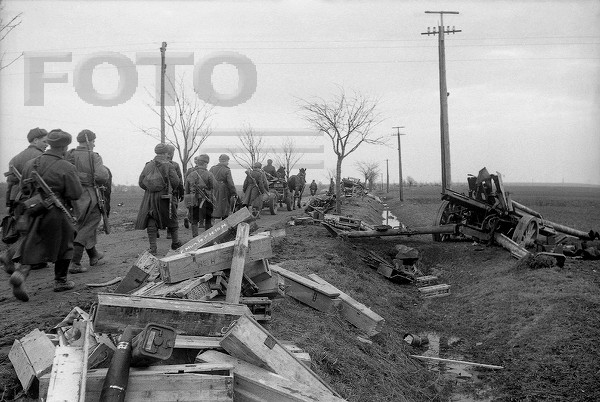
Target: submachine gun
[(51, 199), (99, 191)]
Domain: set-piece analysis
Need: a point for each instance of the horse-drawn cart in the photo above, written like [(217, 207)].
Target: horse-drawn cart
[(279, 195), (350, 187)]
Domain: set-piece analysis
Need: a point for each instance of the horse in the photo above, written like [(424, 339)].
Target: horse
[(296, 185)]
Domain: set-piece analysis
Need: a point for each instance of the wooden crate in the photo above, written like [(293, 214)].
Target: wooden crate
[(180, 267), (189, 317), (186, 382), (435, 291), (249, 341)]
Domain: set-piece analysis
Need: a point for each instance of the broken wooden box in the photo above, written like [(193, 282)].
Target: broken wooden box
[(189, 317)]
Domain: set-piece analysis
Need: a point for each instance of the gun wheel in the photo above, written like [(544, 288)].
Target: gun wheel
[(526, 231), (448, 213)]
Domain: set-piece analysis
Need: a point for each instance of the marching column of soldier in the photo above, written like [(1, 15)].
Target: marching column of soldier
[(57, 199)]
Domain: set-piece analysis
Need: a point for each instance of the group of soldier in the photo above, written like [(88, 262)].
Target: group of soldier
[(58, 197), (45, 182)]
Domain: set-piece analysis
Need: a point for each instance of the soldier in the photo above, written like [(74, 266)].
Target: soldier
[(155, 209), (331, 190), (178, 192), (313, 188), (281, 172), (48, 235), (225, 189), (199, 184), (270, 170), (255, 185), (37, 146), (90, 170)]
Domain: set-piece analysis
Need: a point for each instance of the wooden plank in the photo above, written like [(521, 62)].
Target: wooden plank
[(354, 312), (179, 289), (435, 290), (426, 280), (438, 359), (198, 342), (69, 370), (190, 382), (309, 292), (218, 231), (255, 384), (189, 317), (207, 260), (66, 377), (195, 288), (249, 341), (32, 357), (236, 273)]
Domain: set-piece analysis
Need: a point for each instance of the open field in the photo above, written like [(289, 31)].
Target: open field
[(541, 325)]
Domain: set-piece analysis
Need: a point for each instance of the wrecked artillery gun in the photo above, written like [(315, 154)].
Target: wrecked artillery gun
[(487, 214), (488, 211)]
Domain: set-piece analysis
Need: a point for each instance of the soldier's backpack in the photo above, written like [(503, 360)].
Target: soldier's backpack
[(154, 180)]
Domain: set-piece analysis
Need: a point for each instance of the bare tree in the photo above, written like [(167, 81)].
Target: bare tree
[(370, 171), (348, 121), (252, 148), (6, 26), (188, 122), (289, 156)]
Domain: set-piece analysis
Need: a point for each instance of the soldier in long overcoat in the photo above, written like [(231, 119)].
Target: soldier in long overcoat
[(37, 145), (255, 185), (49, 234), (86, 207), (224, 189), (154, 210)]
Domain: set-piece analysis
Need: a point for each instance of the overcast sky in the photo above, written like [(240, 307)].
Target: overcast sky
[(523, 78)]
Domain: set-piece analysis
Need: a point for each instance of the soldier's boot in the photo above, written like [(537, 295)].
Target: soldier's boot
[(152, 235), (175, 243), (75, 267), (96, 257), (61, 283), (17, 281), (194, 229)]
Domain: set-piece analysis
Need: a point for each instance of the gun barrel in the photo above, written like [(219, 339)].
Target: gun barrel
[(443, 229)]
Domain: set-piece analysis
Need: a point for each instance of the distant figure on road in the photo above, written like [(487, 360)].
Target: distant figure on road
[(331, 190), (313, 188)]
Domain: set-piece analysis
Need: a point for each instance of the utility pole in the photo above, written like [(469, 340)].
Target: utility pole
[(444, 130), (163, 69), (400, 161), (387, 170)]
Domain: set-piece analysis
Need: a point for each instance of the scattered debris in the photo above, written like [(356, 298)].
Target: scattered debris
[(415, 340), (439, 359)]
